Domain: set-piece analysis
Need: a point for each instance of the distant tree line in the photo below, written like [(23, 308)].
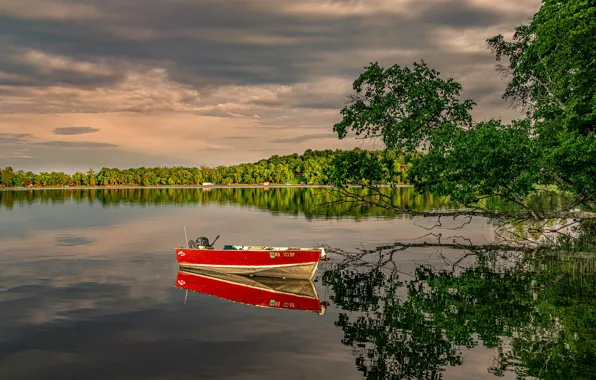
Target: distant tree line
[(312, 168)]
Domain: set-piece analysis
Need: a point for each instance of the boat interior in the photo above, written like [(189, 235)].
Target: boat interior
[(265, 248)]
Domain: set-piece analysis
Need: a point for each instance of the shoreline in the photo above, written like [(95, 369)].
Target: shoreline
[(177, 187)]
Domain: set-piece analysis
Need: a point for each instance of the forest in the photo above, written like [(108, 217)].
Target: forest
[(311, 168)]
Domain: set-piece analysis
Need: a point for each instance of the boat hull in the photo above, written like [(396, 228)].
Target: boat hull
[(262, 292), (293, 264)]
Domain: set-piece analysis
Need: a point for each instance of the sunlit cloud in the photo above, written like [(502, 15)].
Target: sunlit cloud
[(177, 83), (49, 10)]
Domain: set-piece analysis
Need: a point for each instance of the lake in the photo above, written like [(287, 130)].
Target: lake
[(88, 290)]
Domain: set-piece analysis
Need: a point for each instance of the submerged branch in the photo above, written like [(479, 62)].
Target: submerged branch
[(523, 226), (399, 246), (450, 242)]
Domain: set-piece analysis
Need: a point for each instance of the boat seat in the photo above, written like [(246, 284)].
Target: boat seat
[(261, 248)]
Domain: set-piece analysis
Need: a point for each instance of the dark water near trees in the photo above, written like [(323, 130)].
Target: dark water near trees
[(87, 290)]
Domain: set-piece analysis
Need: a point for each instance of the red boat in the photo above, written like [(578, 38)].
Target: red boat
[(266, 292), (281, 262)]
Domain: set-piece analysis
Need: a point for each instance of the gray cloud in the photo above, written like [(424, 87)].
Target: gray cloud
[(210, 43), (210, 149), (69, 240), (68, 131), (303, 138), (75, 144), (238, 137), (17, 140), (460, 14), (47, 158), (26, 71), (266, 150), (13, 138), (222, 113)]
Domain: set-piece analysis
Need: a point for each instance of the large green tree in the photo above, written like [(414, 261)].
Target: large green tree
[(551, 67), (552, 74)]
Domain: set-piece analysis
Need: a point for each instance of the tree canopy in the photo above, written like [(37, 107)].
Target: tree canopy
[(551, 71), (552, 75)]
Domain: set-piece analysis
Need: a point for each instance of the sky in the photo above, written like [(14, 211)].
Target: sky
[(129, 83)]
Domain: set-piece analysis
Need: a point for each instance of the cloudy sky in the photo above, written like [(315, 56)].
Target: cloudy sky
[(128, 83)]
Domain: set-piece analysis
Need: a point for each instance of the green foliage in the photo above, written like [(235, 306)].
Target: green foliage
[(417, 112), (362, 166), (489, 158), (311, 168), (552, 73), (572, 164), (551, 64), (405, 108), (91, 177), (6, 176)]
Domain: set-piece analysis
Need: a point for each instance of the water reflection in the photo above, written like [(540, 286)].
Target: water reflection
[(319, 203), (538, 313), (87, 290), (273, 293)]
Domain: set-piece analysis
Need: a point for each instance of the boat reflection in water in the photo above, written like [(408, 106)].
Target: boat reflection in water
[(270, 292)]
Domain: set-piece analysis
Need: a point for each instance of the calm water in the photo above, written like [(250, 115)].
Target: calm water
[(87, 290)]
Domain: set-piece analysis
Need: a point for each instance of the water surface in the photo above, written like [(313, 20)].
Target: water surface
[(87, 289)]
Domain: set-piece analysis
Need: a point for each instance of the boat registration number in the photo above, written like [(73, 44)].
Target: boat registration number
[(287, 305), (281, 254)]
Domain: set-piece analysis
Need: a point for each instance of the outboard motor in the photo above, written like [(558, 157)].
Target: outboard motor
[(202, 242)]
